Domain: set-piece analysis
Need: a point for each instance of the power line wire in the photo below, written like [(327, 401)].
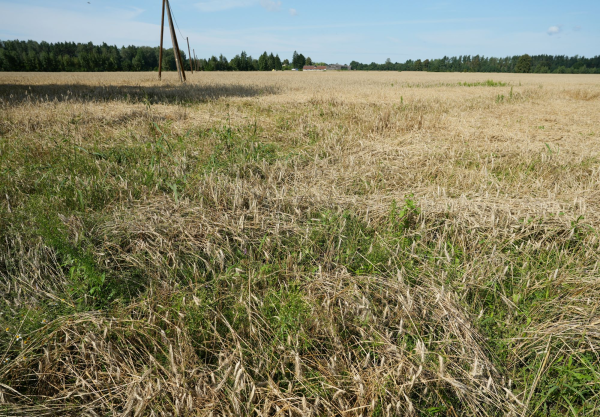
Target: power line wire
[(175, 19)]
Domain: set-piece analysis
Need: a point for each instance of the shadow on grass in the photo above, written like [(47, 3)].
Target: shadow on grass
[(168, 93)]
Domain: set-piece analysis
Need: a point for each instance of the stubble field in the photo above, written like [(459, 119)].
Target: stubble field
[(300, 244)]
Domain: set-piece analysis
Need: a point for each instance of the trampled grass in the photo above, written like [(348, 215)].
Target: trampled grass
[(300, 244)]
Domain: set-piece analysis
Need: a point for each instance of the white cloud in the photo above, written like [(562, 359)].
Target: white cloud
[(577, 28), (219, 5), (554, 30), (293, 12), (270, 5)]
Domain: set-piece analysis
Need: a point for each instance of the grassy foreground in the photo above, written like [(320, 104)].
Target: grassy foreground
[(300, 245)]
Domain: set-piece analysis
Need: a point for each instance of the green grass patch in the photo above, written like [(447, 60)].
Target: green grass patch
[(487, 83)]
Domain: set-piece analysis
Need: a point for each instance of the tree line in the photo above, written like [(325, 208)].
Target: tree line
[(70, 56), (87, 57), (557, 64), (245, 62)]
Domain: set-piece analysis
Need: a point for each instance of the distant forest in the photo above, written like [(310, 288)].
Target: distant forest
[(87, 57), (69, 56), (558, 64)]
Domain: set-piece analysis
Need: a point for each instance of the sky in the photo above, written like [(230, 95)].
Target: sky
[(332, 31)]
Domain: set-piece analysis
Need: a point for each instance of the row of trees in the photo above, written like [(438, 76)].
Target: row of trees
[(244, 62), (518, 63), (70, 56)]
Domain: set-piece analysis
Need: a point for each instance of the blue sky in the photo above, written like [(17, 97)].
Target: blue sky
[(325, 30)]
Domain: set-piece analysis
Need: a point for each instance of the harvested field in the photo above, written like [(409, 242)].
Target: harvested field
[(300, 244)]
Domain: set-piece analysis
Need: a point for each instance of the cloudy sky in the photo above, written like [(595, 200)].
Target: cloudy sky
[(325, 30)]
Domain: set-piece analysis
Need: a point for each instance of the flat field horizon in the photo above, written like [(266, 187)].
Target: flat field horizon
[(300, 244)]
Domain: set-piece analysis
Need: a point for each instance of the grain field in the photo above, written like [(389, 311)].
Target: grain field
[(300, 244)]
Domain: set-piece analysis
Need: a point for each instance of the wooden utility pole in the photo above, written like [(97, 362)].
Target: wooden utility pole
[(176, 50), (190, 55), (162, 33)]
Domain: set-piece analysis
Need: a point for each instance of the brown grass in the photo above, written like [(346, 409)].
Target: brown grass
[(299, 244)]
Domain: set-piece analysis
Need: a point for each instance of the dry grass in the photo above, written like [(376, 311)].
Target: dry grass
[(300, 244)]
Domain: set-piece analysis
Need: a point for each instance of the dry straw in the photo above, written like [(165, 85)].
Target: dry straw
[(299, 244)]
